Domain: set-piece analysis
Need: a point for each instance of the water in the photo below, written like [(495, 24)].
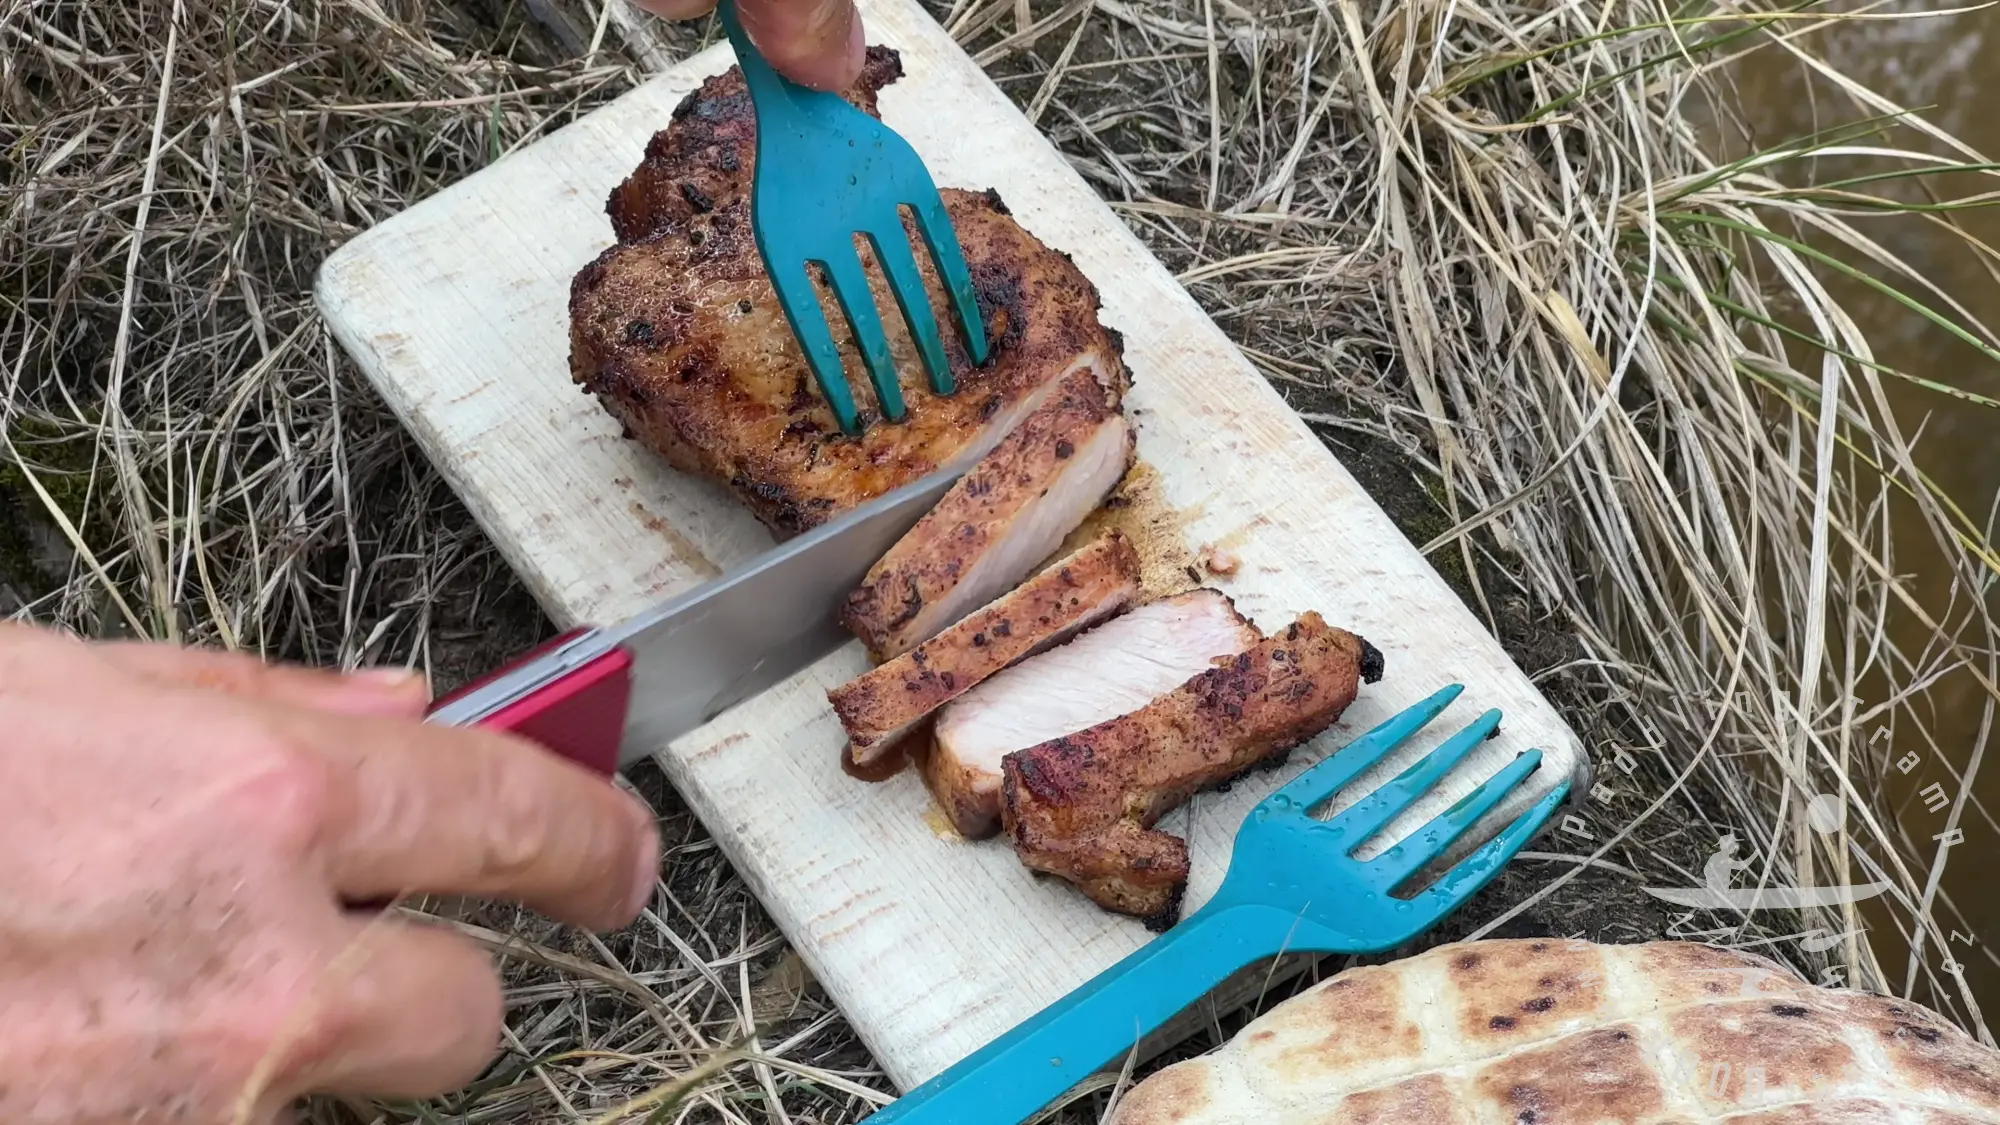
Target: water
[(1948, 69)]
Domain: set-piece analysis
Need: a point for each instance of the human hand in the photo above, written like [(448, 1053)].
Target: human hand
[(181, 836), (816, 43)]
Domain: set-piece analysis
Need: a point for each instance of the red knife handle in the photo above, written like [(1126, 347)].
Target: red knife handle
[(580, 716)]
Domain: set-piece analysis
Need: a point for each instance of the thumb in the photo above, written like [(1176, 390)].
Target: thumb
[(816, 43)]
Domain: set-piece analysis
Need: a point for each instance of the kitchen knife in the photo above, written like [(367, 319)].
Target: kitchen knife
[(605, 696)]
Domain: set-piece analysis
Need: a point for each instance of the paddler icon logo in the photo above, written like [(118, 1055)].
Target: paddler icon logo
[(1718, 875)]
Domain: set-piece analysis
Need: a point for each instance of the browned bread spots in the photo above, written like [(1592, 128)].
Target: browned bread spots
[(1536, 1031)]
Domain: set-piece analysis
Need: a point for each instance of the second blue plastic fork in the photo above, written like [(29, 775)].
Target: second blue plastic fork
[(1293, 887)]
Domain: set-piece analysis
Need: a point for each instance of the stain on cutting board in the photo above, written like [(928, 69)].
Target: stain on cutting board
[(1158, 531), (679, 546)]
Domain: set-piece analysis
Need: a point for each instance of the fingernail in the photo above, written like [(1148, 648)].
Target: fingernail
[(384, 679), (401, 683), (385, 691), (649, 863), (814, 61)]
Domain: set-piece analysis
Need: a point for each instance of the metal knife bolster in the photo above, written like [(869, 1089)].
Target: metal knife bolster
[(571, 694)]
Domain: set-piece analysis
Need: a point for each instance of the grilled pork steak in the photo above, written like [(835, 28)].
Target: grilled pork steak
[(1083, 806), (1006, 514), (677, 331), (885, 705), (1117, 667)]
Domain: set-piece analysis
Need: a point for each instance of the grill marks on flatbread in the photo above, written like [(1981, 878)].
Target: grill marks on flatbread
[(1550, 1032)]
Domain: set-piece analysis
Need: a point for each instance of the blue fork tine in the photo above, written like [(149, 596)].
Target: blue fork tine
[(1368, 815), (1291, 887), (1332, 774), (1427, 843), (850, 285), (899, 265), (943, 242), (800, 301), (1465, 880), (827, 172)]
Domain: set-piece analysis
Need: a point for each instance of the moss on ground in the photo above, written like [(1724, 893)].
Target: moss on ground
[(65, 466)]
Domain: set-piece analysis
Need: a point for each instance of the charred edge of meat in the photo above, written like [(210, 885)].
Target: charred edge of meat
[(1117, 339), (1371, 662), (901, 754), (777, 507), (1168, 916), (1277, 760)]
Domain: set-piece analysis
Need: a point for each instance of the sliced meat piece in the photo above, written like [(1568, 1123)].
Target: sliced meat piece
[(885, 705), (1007, 514), (1083, 806), (678, 333), (1119, 666)]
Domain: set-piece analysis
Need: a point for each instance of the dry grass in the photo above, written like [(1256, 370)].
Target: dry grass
[(1481, 244)]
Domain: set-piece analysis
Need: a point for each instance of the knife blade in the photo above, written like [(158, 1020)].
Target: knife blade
[(605, 696)]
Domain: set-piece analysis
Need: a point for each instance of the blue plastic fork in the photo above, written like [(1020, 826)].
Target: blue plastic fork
[(1293, 887), (825, 172)]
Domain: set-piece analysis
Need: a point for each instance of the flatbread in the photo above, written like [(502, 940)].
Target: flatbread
[(1551, 1032)]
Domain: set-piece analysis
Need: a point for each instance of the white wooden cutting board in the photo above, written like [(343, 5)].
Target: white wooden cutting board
[(931, 946)]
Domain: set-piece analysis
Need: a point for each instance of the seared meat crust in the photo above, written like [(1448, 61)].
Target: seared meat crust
[(999, 520), (677, 331), (1116, 667), (888, 703), (1083, 806)]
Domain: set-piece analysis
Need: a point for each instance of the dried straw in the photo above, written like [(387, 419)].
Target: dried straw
[(1598, 371)]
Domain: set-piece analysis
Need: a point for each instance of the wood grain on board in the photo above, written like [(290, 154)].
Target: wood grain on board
[(931, 946)]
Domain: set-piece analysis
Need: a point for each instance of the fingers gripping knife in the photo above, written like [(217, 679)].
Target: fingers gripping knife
[(1293, 886)]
